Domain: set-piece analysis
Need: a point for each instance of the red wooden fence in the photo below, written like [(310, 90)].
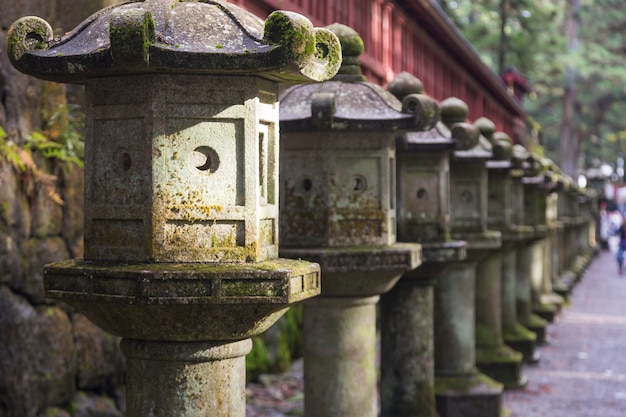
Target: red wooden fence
[(413, 36)]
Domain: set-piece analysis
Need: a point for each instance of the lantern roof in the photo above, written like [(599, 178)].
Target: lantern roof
[(348, 102), (199, 36)]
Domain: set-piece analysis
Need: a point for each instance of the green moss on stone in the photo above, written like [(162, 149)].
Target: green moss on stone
[(131, 36), (463, 384), (517, 333), (351, 43), (295, 36), (498, 354), (483, 334), (27, 34)]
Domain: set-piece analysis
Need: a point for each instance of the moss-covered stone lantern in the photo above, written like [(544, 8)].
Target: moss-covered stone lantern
[(181, 187), (423, 196), (506, 214), (338, 208), (546, 302), (496, 279), (464, 288), (575, 233), (587, 247), (530, 257)]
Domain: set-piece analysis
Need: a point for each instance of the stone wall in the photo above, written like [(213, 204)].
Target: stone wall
[(53, 361), (51, 357)]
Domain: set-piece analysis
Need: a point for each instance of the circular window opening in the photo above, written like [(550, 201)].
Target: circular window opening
[(126, 161), (321, 51), (421, 193), (467, 197), (205, 159), (307, 184), (122, 160), (359, 183)]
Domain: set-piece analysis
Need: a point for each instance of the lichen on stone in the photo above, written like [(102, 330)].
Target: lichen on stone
[(132, 32), (27, 34)]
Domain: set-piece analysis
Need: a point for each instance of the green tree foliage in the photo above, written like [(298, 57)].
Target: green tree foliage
[(601, 86), (532, 35), (528, 31), (61, 140)]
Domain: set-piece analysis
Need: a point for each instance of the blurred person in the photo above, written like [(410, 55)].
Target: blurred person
[(621, 234)]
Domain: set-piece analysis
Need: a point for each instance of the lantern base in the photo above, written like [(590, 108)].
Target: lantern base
[(184, 301)]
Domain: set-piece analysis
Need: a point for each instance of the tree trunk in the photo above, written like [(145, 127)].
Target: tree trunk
[(505, 6), (570, 135)]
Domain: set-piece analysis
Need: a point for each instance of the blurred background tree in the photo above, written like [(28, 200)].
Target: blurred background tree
[(573, 52)]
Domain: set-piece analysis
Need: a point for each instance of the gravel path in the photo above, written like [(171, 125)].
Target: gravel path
[(582, 371)]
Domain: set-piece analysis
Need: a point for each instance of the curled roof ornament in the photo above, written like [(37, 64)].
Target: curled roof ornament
[(199, 36)]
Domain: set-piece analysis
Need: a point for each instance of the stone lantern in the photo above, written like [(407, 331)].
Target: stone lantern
[(338, 208), (423, 184), (565, 218), (579, 236), (493, 357), (530, 256), (460, 387), (181, 190), (588, 202), (506, 214), (496, 360), (574, 237), (545, 302), (556, 238)]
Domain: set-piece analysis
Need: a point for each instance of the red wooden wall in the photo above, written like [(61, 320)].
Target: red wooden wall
[(413, 36)]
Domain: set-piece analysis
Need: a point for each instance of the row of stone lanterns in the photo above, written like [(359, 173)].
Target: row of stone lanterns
[(338, 208), (182, 225), (181, 195)]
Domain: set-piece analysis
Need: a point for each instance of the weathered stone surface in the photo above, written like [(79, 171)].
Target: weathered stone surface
[(54, 412), (407, 350), (14, 208), (458, 384), (37, 363), (191, 379), (186, 301), (527, 267), (339, 357), (99, 359), (362, 270), (336, 192), (423, 198), (473, 395), (10, 259), (207, 37), (513, 333), (91, 405), (493, 357), (37, 253), (47, 215), (73, 213), (454, 316), (183, 212)]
